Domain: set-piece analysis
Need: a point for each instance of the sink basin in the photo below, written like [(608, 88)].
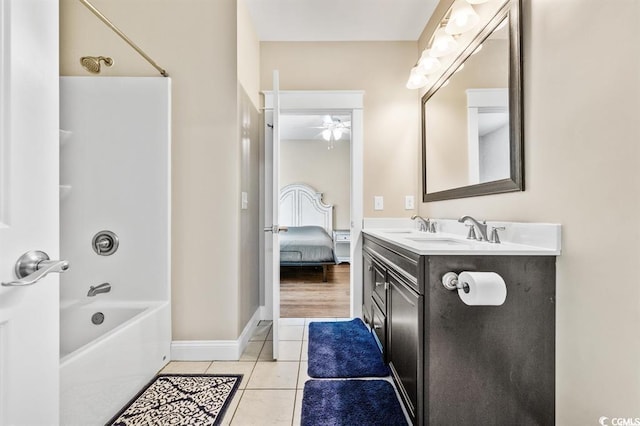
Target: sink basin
[(435, 241), (399, 231)]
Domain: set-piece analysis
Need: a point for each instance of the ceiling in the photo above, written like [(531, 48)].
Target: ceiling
[(339, 20)]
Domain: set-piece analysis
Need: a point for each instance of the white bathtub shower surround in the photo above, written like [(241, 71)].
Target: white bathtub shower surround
[(99, 375), (115, 171)]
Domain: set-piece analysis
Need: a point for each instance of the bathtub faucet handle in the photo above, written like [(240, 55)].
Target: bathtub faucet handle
[(102, 243)]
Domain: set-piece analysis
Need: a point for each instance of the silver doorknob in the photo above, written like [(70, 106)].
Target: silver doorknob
[(276, 228), (33, 265)]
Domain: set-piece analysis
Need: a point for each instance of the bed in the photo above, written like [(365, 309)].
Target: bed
[(309, 240)]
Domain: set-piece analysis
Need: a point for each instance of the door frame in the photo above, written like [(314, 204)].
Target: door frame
[(319, 102)]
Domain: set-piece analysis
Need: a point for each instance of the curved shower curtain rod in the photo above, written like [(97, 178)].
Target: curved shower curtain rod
[(115, 29)]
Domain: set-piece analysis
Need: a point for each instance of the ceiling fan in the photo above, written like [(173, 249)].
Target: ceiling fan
[(333, 129)]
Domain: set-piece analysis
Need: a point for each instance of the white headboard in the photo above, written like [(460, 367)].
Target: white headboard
[(302, 205)]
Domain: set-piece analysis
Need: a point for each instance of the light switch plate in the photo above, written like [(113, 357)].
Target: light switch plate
[(409, 202), (378, 202), (245, 201)]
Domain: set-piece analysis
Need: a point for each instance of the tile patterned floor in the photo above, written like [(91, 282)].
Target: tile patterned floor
[(270, 392)]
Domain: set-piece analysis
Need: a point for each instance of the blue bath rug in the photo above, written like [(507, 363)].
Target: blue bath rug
[(351, 402), (344, 349), (180, 399)]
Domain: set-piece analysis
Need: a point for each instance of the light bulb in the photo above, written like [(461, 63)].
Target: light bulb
[(326, 134), (443, 44), (427, 64), (417, 80), (462, 18)]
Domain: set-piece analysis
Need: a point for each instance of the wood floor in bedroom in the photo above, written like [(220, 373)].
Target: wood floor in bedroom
[(304, 295)]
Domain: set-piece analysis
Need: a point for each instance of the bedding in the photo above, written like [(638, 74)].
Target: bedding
[(306, 245)]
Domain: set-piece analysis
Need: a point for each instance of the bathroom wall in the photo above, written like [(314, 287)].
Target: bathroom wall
[(581, 103), (391, 112), (250, 124), (248, 54), (326, 170), (195, 40)]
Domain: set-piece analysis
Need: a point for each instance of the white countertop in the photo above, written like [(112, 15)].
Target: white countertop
[(518, 239)]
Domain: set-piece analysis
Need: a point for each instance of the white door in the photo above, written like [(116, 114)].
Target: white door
[(29, 198), (272, 204), (275, 214)]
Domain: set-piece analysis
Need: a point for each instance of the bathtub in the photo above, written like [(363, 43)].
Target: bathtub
[(103, 366)]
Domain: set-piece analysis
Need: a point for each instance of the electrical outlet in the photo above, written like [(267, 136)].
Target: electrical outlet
[(409, 202), (378, 202)]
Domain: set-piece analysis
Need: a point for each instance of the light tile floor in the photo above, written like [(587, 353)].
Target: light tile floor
[(271, 391)]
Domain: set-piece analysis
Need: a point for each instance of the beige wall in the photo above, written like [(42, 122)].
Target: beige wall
[(195, 40), (249, 125), (391, 112), (582, 133), (248, 55), (249, 268), (326, 170)]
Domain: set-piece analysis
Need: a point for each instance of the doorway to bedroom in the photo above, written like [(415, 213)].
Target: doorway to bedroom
[(315, 203)]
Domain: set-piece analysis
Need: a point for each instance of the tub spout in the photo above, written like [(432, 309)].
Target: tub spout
[(102, 288)]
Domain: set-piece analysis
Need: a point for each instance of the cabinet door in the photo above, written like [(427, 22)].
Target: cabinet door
[(367, 290), (405, 339)]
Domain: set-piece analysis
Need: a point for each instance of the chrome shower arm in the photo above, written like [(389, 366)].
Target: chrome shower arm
[(123, 36)]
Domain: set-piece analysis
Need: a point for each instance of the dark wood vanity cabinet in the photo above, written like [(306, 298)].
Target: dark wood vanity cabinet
[(459, 364), (392, 291)]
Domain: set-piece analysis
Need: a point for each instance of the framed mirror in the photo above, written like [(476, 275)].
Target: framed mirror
[(472, 122)]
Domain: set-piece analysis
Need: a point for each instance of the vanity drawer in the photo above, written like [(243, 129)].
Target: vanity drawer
[(406, 263)]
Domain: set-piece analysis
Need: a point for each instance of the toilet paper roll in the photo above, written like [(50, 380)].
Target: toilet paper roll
[(484, 288)]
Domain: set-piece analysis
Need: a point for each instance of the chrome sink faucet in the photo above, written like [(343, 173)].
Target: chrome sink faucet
[(102, 288), (480, 226), (426, 225)]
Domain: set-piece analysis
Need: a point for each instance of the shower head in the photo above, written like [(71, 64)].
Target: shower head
[(92, 63)]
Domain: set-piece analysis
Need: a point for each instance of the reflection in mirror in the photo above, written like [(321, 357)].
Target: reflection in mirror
[(471, 123)]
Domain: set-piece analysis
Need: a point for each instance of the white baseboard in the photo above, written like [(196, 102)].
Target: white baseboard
[(216, 350)]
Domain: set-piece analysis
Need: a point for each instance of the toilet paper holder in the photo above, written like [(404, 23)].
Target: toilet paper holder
[(450, 281)]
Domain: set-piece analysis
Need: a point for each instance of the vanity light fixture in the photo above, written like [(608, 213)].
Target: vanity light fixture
[(453, 32), (428, 64), (417, 79), (462, 19), (443, 44)]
